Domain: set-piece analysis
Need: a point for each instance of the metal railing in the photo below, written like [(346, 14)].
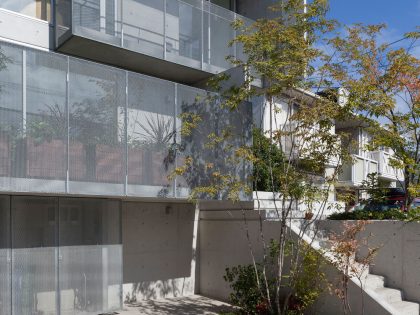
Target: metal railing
[(193, 33)]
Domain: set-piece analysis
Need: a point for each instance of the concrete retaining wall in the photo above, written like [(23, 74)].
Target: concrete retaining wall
[(398, 257), (158, 250), (223, 243)]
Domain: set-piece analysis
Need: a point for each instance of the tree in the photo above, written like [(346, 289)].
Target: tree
[(383, 81), (289, 155)]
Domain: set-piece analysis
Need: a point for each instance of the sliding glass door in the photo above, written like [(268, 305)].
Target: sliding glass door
[(34, 246), (60, 255), (5, 256), (90, 269)]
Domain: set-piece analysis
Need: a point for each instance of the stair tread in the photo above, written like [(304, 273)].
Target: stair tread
[(405, 304), (405, 307)]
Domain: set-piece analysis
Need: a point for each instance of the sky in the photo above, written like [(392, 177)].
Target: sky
[(401, 16)]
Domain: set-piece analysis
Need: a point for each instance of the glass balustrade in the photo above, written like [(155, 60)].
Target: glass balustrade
[(193, 33)]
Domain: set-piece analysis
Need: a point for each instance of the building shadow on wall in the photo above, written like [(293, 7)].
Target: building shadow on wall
[(158, 250)]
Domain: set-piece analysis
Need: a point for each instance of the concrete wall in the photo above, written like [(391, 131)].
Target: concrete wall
[(158, 250), (25, 29), (223, 243), (398, 257)]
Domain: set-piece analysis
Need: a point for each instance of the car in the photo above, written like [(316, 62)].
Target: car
[(415, 203)]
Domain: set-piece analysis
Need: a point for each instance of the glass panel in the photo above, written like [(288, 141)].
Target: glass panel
[(35, 8), (63, 18), (183, 29), (86, 13), (103, 16), (97, 130), (12, 153), (90, 265), (143, 26), (46, 118), (5, 252), (221, 33), (34, 255), (151, 125)]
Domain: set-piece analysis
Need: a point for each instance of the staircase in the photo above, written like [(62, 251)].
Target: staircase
[(374, 285)]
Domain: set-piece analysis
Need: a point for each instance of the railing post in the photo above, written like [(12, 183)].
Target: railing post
[(122, 23), (175, 140), (68, 125), (126, 134), (202, 34), (164, 30), (24, 91)]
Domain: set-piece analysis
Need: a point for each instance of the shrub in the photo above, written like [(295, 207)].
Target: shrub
[(392, 214), (305, 283)]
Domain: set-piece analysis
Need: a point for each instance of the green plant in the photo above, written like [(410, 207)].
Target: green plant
[(392, 214), (304, 282), (308, 280), (263, 149), (247, 294), (372, 186), (344, 246)]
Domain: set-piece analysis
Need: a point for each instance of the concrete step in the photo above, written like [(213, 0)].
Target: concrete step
[(389, 295), (374, 281), (406, 308), (392, 297)]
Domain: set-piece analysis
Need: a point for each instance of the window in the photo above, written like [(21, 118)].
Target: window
[(228, 4)]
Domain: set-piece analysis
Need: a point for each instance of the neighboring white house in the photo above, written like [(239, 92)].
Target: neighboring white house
[(276, 116)]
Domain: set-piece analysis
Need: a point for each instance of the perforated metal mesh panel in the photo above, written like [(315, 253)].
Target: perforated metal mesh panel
[(33, 255), (188, 100), (233, 128), (96, 130), (5, 256), (86, 255), (90, 260), (46, 118), (103, 131), (151, 126), (11, 117)]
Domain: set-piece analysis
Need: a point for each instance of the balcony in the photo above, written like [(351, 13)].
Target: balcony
[(385, 170), (354, 174), (186, 41), (70, 126)]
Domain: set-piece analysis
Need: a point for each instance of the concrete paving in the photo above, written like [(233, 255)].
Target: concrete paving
[(191, 305)]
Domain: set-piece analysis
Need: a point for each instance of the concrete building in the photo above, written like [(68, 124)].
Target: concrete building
[(90, 97)]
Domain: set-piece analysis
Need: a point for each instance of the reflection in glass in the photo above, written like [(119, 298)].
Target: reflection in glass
[(151, 130), (46, 126), (96, 132), (90, 263), (5, 252), (12, 153), (33, 256), (143, 24)]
